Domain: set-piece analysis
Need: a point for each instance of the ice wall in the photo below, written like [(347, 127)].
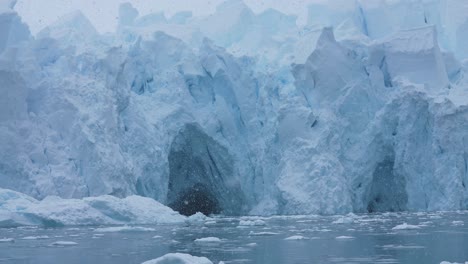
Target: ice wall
[(363, 109)]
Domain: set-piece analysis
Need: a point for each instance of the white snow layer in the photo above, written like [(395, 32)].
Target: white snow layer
[(363, 109)]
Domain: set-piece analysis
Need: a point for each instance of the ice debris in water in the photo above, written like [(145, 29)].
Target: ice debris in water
[(207, 240), (34, 237), (252, 233), (406, 226), (197, 218), (124, 229), (344, 237), (297, 237), (344, 220), (4, 240), (257, 222), (64, 243), (179, 258)]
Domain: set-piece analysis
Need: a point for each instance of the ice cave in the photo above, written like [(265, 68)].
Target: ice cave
[(201, 175)]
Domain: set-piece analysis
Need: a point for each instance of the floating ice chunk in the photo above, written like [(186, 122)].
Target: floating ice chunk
[(402, 247), (179, 258), (252, 244), (406, 226), (344, 220), (458, 223), (64, 243), (17, 209), (210, 222), (207, 240), (5, 240), (124, 229), (134, 209), (157, 236), (296, 238), (252, 223), (197, 218), (344, 237), (263, 233), (35, 237)]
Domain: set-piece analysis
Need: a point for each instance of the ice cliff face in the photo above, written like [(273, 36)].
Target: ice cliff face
[(364, 109)]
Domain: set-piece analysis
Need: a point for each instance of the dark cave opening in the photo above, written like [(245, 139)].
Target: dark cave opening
[(202, 176), (196, 199), (387, 190)]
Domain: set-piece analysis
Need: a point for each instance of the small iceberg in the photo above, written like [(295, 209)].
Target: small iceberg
[(405, 226), (263, 233), (64, 243), (296, 238), (179, 258), (123, 229), (208, 240), (344, 237), (34, 237), (252, 223)]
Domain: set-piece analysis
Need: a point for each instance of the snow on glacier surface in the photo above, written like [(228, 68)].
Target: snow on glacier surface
[(363, 109)]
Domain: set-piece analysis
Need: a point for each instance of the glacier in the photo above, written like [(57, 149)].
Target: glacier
[(363, 109)]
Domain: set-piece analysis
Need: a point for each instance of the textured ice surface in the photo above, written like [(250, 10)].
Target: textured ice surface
[(18, 209), (364, 109)]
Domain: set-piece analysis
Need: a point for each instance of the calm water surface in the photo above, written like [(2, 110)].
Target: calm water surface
[(333, 239)]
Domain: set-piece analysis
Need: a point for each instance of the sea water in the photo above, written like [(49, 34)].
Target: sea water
[(366, 238)]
